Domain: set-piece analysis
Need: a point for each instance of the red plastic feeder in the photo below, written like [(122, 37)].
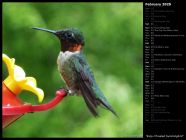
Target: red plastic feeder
[(14, 107)]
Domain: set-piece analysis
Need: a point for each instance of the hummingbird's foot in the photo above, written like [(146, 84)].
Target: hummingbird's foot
[(71, 92), (68, 91)]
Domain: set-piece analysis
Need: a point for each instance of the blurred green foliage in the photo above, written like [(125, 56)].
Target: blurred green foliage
[(113, 47)]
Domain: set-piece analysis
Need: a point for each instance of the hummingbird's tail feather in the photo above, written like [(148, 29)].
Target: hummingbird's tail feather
[(89, 98), (108, 107), (91, 104)]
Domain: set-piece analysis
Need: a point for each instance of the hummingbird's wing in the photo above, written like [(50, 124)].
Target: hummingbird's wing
[(87, 85)]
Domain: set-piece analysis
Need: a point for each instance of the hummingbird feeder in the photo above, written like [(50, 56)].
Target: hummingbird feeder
[(13, 107)]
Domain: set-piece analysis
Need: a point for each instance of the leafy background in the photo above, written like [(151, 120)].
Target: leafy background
[(113, 34)]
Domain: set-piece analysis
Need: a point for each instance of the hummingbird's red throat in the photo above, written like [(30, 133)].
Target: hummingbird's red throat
[(75, 47)]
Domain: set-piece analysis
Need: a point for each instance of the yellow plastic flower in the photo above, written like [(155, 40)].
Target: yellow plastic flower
[(16, 80)]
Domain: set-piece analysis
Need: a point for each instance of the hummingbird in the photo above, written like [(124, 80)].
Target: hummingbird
[(75, 71)]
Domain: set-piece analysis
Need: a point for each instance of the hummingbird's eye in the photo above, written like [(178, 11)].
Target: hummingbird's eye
[(69, 35)]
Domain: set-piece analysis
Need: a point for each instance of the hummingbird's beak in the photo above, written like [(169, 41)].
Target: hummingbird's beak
[(46, 30)]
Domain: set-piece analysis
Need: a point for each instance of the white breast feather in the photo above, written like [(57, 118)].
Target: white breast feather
[(64, 56)]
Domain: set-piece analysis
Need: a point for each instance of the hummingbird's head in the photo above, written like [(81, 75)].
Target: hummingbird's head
[(71, 38)]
